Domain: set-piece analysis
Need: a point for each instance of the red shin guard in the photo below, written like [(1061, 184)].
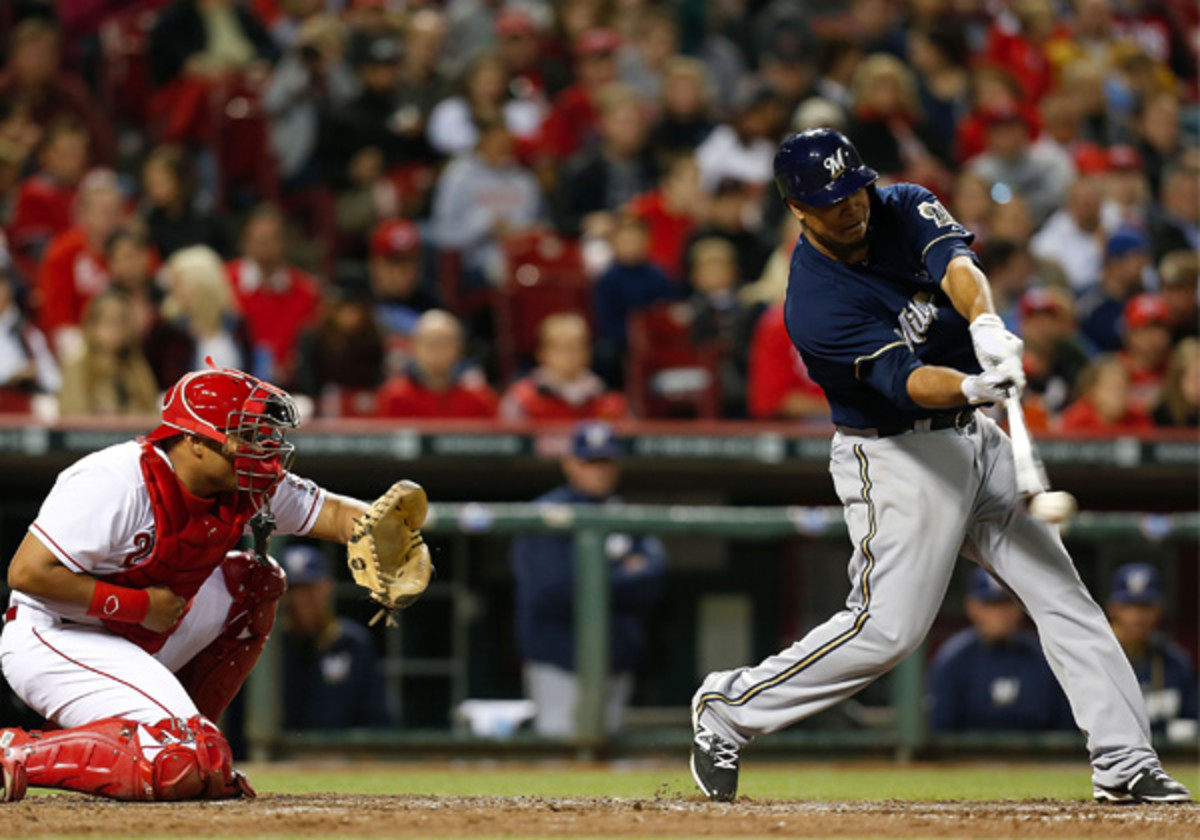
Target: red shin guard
[(214, 675)]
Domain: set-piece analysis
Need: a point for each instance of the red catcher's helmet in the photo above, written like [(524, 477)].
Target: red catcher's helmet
[(249, 418)]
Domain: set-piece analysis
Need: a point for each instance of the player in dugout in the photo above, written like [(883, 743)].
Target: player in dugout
[(133, 621), (895, 321)]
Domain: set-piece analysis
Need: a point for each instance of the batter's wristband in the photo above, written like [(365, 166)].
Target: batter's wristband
[(119, 603)]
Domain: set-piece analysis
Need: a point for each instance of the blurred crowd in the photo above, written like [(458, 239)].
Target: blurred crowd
[(533, 210)]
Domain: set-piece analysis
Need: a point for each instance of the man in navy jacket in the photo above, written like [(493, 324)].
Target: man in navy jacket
[(545, 589)]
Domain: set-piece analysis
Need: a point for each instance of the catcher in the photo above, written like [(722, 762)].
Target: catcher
[(133, 621)]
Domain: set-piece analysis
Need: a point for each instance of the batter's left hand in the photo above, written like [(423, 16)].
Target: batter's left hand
[(995, 345)]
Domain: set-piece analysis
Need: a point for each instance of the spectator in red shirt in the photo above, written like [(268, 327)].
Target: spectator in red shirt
[(46, 199), (671, 213), (34, 80), (779, 386), (574, 120), (1103, 404), (73, 270), (562, 386), (438, 382), (277, 300), (1146, 348)]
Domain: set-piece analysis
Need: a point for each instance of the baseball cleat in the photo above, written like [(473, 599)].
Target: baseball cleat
[(1149, 786), (714, 763)]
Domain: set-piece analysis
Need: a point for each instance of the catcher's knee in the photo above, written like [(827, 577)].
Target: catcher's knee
[(198, 766), (256, 587)]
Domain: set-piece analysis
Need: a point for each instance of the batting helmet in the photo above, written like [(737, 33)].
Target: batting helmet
[(820, 167), (247, 416)]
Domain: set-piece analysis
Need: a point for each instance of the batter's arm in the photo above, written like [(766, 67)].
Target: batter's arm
[(968, 289), (931, 386), (335, 521)]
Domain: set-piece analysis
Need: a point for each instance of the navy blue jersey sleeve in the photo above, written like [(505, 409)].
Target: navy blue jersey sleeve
[(931, 228)]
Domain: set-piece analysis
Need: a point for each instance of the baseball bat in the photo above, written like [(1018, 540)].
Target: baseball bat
[(1054, 506), (1031, 475)]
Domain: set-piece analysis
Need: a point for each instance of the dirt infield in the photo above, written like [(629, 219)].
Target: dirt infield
[(671, 815)]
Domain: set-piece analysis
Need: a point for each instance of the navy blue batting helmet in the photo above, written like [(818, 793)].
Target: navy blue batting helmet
[(820, 167)]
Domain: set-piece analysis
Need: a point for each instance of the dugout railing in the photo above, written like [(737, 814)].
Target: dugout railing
[(904, 734)]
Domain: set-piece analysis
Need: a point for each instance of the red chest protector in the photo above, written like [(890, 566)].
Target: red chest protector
[(192, 536)]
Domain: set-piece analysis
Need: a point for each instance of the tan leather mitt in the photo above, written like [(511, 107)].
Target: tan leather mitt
[(387, 554)]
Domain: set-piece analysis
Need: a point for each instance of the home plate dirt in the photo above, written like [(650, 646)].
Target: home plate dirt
[(675, 816)]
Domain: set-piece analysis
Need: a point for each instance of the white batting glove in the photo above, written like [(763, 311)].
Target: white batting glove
[(991, 386), (1014, 371), (994, 344)]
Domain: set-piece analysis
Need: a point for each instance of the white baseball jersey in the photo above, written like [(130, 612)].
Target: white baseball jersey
[(98, 519)]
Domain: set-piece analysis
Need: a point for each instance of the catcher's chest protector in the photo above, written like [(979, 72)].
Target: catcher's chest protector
[(191, 538)]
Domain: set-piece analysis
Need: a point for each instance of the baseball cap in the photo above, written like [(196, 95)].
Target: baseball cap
[(1091, 159), (1135, 583), (1125, 241), (598, 41), (380, 49), (984, 587), (1146, 309), (395, 238), (1121, 156), (595, 440), (303, 564), (1039, 299)]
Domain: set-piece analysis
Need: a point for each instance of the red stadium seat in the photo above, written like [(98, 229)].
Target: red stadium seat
[(666, 373), (239, 135), (340, 401), (544, 276)]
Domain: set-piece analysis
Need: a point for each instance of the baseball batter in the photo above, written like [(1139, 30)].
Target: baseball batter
[(132, 621), (895, 321)]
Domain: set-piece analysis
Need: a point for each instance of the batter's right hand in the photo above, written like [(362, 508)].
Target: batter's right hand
[(991, 386), (165, 609)]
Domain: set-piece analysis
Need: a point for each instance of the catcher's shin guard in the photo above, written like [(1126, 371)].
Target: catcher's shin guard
[(214, 675), (191, 760)]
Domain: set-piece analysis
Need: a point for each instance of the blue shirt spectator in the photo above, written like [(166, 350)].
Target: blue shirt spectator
[(993, 677)]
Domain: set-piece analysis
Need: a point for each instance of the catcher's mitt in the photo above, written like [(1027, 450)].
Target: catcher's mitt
[(386, 553)]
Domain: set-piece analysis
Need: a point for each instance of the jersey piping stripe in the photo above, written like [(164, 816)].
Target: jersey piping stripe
[(309, 519), (60, 551), (877, 353), (938, 239), (85, 667), (855, 629)]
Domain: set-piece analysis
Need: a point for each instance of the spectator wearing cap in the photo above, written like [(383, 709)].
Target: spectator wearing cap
[(993, 676), (1179, 278), (1177, 224), (563, 385), (311, 77), (1164, 670), (743, 149), (1053, 356), (395, 280), (73, 270), (543, 571), (277, 300), (484, 97), (573, 123), (1126, 190), (339, 359), (193, 45), (1101, 308), (596, 184), (1146, 350), (731, 215), (1074, 235), (1015, 166), (332, 676), (1103, 404), (439, 382), (519, 43), (1179, 403), (479, 198)]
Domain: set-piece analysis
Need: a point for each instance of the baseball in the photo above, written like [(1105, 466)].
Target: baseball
[(1056, 506)]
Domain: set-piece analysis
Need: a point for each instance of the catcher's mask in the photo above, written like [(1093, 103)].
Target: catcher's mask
[(249, 418)]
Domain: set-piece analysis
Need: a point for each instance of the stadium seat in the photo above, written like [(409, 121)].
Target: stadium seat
[(239, 135), (544, 275), (666, 373)]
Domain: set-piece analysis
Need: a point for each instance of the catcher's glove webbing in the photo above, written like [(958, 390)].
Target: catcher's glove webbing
[(386, 553)]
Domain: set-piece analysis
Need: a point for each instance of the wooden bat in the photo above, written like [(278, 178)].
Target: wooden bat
[(1032, 484)]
